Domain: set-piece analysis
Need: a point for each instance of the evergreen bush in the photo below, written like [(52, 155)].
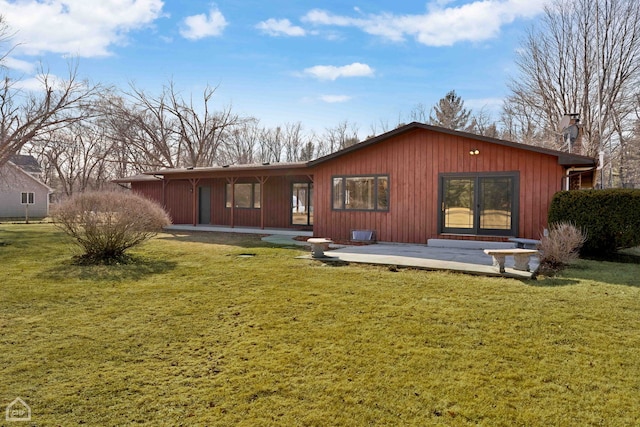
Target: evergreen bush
[(610, 218)]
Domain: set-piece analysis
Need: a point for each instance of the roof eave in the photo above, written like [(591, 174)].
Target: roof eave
[(270, 167), (565, 159)]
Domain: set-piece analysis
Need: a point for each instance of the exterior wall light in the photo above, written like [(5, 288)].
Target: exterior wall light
[(474, 152)]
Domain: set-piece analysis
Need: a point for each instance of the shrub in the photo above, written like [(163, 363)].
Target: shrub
[(106, 224), (560, 246), (610, 218)]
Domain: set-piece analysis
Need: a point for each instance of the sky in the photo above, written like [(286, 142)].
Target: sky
[(314, 62)]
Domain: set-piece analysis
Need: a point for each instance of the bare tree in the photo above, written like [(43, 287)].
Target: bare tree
[(419, 113), (28, 115), (293, 141), (271, 144), (201, 133), (77, 158), (241, 144), (482, 124), (583, 57), (5, 37), (168, 131), (628, 158), (145, 126), (343, 135)]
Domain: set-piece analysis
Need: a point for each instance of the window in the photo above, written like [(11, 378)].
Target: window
[(484, 204), (247, 195), (27, 198), (365, 193)]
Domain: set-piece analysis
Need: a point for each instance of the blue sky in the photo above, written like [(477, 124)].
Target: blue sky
[(318, 63)]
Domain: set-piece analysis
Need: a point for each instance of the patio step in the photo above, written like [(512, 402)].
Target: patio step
[(468, 244)]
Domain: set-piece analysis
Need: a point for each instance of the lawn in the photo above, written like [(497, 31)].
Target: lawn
[(219, 329)]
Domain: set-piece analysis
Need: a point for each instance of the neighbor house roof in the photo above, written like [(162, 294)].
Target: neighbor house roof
[(29, 175), (565, 159), (26, 163)]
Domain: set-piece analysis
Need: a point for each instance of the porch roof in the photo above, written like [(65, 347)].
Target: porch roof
[(227, 170)]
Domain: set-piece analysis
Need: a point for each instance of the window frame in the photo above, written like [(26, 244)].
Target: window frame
[(254, 197), (477, 177), (376, 195), (309, 202), (27, 198)]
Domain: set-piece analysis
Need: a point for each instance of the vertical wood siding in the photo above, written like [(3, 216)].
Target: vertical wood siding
[(413, 161), (179, 201), (151, 190)]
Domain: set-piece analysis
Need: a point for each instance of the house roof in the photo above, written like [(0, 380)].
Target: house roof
[(565, 159), (135, 178), (26, 163), (235, 168), (29, 175)]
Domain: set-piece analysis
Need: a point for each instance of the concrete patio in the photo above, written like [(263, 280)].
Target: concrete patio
[(451, 255), (471, 261)]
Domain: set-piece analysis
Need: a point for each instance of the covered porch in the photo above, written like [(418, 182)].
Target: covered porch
[(255, 196)]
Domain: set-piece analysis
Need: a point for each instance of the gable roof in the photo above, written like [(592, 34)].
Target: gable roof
[(565, 159), (26, 163), (29, 175)]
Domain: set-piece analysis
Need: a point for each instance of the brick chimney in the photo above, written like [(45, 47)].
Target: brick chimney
[(571, 131)]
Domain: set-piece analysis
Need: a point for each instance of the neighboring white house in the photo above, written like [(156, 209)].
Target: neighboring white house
[(21, 189)]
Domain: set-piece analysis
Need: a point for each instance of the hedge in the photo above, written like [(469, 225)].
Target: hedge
[(610, 218)]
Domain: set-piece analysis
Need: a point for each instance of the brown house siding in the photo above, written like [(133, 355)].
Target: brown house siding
[(414, 161), (178, 200), (414, 157), (151, 190)]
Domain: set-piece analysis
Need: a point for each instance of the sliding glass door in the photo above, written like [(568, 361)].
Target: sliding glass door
[(302, 203), (479, 204)]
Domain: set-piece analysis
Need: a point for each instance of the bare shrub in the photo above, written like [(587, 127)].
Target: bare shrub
[(106, 224), (561, 246)]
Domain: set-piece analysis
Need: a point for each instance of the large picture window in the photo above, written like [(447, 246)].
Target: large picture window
[(485, 204), (246, 195), (368, 193)]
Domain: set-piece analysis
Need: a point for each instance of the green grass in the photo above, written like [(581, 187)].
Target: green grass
[(193, 334)]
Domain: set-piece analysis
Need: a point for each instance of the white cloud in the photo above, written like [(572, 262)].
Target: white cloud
[(19, 65), (280, 27), (76, 27), (441, 25), (331, 72), (333, 99), (37, 83), (200, 26)]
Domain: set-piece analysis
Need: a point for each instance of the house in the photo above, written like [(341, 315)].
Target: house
[(22, 191), (412, 184)]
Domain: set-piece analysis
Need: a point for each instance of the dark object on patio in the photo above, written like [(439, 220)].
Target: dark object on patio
[(368, 236)]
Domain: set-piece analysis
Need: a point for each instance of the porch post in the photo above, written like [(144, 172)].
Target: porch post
[(262, 180), (194, 199), (232, 181), (165, 182)]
